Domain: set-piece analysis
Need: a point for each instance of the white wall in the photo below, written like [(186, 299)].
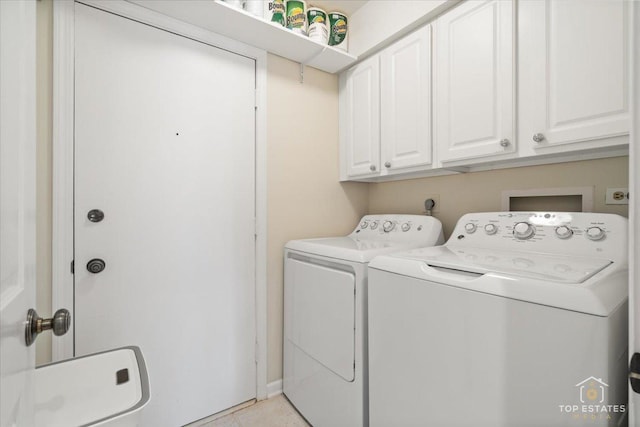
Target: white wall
[(379, 22)]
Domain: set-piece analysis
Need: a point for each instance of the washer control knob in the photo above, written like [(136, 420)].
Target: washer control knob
[(387, 226), (406, 226), (564, 232), (490, 229), (364, 224), (595, 233), (470, 227), (374, 225), (523, 231)]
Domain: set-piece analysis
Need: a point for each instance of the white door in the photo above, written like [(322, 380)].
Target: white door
[(405, 99), (164, 147), (17, 209), (474, 78), (634, 216), (362, 118), (573, 71)]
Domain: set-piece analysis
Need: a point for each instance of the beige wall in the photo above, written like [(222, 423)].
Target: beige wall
[(482, 191), (304, 197)]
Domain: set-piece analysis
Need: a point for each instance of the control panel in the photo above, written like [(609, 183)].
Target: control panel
[(551, 232), (395, 227)]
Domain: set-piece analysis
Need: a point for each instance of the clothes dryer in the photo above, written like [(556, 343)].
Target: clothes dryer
[(520, 319), (325, 320)]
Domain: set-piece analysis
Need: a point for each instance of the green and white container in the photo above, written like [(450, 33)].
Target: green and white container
[(296, 16), (275, 11), (338, 30), (318, 26)]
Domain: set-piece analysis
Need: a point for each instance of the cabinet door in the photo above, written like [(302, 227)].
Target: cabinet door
[(405, 94), (574, 71), (362, 119), (474, 80)]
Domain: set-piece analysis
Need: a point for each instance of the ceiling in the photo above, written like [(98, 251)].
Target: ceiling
[(345, 6)]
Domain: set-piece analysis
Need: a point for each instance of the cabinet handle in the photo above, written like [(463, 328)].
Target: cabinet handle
[(538, 137), (372, 168), (387, 164), (504, 143)]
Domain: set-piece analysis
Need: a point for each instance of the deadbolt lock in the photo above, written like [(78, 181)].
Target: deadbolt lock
[(95, 215), (96, 265)]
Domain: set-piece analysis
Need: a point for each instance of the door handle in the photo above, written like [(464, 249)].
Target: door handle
[(59, 324), (634, 372)]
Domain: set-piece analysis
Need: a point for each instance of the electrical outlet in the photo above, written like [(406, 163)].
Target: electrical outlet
[(617, 196)]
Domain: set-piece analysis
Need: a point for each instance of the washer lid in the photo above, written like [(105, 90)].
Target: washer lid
[(589, 285), (553, 268), (352, 248)]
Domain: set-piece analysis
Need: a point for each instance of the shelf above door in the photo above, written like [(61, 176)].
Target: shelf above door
[(219, 17)]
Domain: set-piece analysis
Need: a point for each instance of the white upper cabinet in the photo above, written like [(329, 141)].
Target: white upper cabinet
[(405, 94), (360, 118), (574, 73), (474, 102)]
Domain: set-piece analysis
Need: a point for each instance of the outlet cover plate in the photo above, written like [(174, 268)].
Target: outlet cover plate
[(612, 196)]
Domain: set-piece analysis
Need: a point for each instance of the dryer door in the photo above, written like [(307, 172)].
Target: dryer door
[(322, 314)]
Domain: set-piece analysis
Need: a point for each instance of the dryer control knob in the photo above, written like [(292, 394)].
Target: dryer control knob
[(564, 232), (374, 225), (470, 227), (490, 229), (387, 226), (406, 226), (523, 231), (595, 233), (364, 224)]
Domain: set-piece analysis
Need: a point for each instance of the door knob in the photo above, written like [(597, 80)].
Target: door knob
[(95, 215), (96, 265), (505, 143), (538, 137), (59, 323)]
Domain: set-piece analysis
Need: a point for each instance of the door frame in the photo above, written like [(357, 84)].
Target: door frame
[(634, 209), (63, 160)]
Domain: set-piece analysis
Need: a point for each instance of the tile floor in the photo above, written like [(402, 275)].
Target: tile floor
[(274, 412)]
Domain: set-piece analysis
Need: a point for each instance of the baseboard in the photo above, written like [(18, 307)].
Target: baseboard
[(274, 388)]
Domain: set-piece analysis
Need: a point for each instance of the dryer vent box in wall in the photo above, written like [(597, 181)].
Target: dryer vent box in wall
[(564, 199), (568, 203)]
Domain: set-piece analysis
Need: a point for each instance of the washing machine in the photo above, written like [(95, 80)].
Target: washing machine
[(325, 319), (520, 319)]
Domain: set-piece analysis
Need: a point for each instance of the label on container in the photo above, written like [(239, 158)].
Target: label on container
[(318, 29), (296, 19), (277, 11), (338, 31)]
